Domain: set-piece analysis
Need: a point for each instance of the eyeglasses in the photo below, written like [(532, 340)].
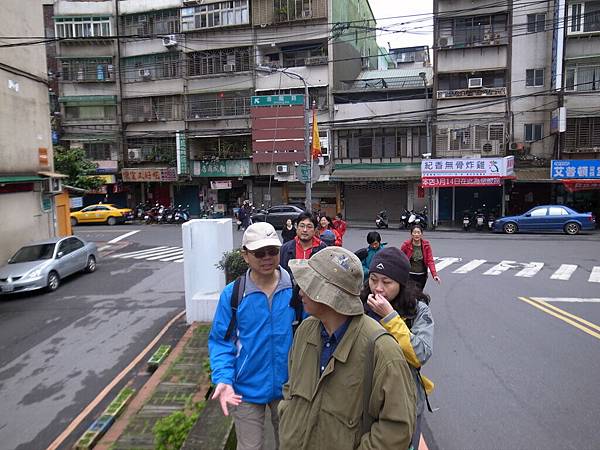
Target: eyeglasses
[(262, 252), (306, 226)]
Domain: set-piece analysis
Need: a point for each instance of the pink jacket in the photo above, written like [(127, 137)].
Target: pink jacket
[(407, 248)]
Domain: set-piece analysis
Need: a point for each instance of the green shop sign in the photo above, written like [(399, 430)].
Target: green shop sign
[(222, 168)]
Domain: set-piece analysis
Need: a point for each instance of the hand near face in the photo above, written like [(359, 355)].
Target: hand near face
[(379, 304), (226, 395)]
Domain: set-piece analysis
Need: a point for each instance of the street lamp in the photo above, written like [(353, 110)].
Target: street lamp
[(427, 155), (307, 154)]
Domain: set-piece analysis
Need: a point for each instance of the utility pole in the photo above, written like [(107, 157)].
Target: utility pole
[(427, 155)]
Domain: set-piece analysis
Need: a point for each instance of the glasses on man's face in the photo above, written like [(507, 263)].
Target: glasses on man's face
[(262, 252), (306, 226)]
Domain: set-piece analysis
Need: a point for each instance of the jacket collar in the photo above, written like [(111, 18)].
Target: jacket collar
[(345, 346), (285, 282)]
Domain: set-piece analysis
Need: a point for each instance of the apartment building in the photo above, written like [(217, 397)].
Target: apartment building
[(27, 185), (380, 135), (159, 95)]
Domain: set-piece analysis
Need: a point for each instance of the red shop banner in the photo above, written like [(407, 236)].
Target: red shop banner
[(581, 185), (440, 182)]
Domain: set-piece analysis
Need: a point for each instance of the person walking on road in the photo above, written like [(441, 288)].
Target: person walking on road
[(392, 298), (249, 360), (340, 224), (418, 251), (305, 244), (350, 386), (374, 241), (289, 231)]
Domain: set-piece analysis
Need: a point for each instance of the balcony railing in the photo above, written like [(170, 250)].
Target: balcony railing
[(210, 109), (480, 92)]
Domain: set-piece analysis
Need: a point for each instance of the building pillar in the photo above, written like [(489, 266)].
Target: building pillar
[(285, 196), (338, 197)]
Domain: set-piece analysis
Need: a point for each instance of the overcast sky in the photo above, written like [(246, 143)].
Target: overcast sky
[(419, 28)]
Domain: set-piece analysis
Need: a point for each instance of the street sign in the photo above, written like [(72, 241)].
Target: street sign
[(277, 100), (303, 173)]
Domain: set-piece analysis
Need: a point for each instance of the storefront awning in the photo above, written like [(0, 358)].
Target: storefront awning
[(375, 175), (20, 179), (581, 185), (53, 175), (534, 175)]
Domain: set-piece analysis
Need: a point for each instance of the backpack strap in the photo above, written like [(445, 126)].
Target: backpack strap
[(367, 419), (237, 294), (296, 303)]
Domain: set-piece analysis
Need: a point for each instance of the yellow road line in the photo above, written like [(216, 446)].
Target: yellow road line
[(568, 314), (541, 307), (89, 408)]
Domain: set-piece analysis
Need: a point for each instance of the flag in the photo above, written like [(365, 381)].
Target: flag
[(316, 143)]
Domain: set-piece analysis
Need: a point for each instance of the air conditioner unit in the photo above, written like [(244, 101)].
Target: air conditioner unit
[(52, 186), (475, 83), (228, 67), (145, 73), (489, 146), (487, 37), (134, 154), (321, 161), (281, 168), (447, 41), (516, 146), (307, 13), (169, 40)]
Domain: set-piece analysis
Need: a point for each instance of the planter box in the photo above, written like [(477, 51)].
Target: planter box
[(118, 404), (158, 357), (88, 440)]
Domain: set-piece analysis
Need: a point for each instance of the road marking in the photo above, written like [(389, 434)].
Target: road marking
[(567, 299), (123, 236), (94, 403), (138, 252), (530, 269), (595, 275), (178, 253), (154, 253), (179, 260), (470, 266), (564, 272), (445, 262), (174, 258), (499, 268), (564, 316)]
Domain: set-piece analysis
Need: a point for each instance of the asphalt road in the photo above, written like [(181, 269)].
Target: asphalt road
[(514, 363)]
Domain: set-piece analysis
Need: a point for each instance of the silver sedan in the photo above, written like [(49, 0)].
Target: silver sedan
[(41, 265)]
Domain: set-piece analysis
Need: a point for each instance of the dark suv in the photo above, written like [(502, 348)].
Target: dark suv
[(277, 215)]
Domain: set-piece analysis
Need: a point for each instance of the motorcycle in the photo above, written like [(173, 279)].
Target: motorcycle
[(154, 214), (404, 218), (490, 221), (466, 221), (381, 221), (479, 220), (418, 218), (182, 214)]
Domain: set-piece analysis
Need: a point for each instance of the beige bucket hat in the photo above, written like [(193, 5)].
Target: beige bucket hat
[(334, 277)]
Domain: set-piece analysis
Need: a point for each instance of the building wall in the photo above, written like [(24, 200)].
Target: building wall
[(24, 125)]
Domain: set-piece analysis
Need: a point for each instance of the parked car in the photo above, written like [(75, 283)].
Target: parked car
[(41, 265), (102, 213), (277, 215), (547, 218)]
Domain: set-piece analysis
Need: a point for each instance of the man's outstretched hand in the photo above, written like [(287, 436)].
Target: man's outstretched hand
[(226, 395)]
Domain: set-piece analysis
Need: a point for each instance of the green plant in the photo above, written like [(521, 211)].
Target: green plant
[(170, 432), (233, 264)]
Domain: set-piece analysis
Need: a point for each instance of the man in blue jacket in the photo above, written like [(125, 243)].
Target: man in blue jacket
[(249, 367)]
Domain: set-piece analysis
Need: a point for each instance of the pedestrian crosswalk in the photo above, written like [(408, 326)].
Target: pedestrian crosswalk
[(454, 265), (521, 269)]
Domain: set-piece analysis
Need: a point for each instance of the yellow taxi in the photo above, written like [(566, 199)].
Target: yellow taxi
[(101, 213)]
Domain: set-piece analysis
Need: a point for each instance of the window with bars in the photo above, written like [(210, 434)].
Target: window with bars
[(151, 23), (474, 30), (582, 133), (159, 149), (166, 107), (151, 67), (90, 112), (87, 69), (583, 78), (304, 54), (221, 104), (536, 23), (382, 143), (98, 150), (212, 62), (214, 15), (82, 27), (584, 17), (221, 147), (288, 10), (534, 77), (467, 139)]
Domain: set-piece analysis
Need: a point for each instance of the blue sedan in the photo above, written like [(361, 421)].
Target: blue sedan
[(547, 218)]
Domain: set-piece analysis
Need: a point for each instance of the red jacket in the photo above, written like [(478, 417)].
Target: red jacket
[(340, 226), (338, 236), (407, 248)]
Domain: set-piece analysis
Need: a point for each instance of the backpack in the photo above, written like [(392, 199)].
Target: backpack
[(239, 287)]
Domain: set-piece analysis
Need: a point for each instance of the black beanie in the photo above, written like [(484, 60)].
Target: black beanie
[(391, 262)]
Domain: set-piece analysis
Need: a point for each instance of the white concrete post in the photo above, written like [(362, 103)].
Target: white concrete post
[(204, 242)]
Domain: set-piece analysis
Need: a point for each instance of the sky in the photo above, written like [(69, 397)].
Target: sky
[(403, 17)]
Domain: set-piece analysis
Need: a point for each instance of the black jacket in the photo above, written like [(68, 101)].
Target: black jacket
[(288, 251), (288, 235)]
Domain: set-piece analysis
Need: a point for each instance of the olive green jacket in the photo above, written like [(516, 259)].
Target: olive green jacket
[(325, 412)]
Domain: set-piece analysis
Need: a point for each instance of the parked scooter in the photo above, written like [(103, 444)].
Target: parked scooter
[(381, 221), (182, 214), (490, 221), (479, 220), (466, 221), (404, 218), (418, 218)]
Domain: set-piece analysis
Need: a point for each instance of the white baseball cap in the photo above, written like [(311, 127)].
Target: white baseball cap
[(259, 235)]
